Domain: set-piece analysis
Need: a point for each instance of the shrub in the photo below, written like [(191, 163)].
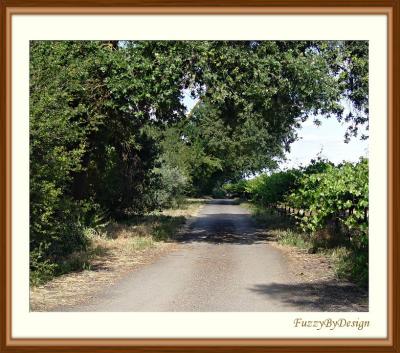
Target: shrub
[(271, 189), (337, 197), (351, 264), (173, 185), (237, 189), (339, 193), (90, 156)]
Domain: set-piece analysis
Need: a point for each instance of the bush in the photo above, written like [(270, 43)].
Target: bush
[(337, 197), (271, 189), (339, 193), (237, 189), (351, 264), (41, 270), (173, 186)]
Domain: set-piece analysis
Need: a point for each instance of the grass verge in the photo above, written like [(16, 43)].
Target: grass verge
[(113, 250)]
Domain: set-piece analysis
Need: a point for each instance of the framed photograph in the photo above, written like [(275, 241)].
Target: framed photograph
[(199, 176)]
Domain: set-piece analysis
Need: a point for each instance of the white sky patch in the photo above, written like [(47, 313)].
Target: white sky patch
[(188, 101), (327, 141)]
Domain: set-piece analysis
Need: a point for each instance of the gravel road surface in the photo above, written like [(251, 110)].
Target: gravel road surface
[(223, 264)]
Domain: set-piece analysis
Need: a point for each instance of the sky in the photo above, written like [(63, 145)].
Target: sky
[(326, 140)]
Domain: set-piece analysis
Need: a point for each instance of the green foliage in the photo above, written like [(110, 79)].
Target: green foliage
[(317, 165), (348, 62), (237, 189), (252, 95), (41, 270), (173, 187), (335, 195), (246, 123), (218, 192), (271, 189), (351, 263), (339, 193), (90, 154)]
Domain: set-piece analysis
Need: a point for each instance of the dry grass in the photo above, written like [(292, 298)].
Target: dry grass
[(190, 209), (307, 267), (307, 264), (115, 250)]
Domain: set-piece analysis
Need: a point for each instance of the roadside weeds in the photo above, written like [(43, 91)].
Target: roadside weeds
[(308, 264), (115, 250)]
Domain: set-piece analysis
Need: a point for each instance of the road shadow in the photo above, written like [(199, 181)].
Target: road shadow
[(328, 296), (223, 202), (224, 228)]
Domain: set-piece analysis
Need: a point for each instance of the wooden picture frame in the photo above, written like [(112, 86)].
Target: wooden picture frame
[(389, 8)]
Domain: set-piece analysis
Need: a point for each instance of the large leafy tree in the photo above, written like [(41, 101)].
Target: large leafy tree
[(253, 95), (89, 151)]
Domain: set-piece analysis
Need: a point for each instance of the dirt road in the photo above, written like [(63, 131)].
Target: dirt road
[(224, 264)]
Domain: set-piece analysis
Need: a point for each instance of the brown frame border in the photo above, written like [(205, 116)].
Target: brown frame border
[(386, 7)]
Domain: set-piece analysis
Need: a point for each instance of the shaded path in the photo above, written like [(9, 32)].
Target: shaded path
[(223, 265)]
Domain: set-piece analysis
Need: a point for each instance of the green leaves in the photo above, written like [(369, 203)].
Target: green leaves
[(324, 191), (348, 63), (271, 189), (89, 153), (337, 193)]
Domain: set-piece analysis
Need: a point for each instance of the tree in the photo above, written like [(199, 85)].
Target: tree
[(348, 62), (253, 96), (90, 152)]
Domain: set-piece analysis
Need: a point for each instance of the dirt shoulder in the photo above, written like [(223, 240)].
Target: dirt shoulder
[(315, 279), (125, 248)]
